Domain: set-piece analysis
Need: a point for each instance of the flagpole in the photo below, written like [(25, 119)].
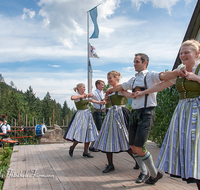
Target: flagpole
[(88, 59), (88, 50)]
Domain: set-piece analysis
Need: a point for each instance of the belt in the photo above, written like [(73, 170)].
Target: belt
[(135, 111), (138, 88), (100, 110)]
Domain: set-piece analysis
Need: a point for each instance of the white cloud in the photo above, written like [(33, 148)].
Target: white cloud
[(61, 33), (107, 8), (54, 66), (28, 12), (157, 3)]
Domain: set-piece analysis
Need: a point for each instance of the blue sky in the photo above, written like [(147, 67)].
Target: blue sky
[(43, 43)]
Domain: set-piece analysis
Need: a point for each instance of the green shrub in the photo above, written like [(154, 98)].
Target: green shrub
[(167, 101), (4, 164)]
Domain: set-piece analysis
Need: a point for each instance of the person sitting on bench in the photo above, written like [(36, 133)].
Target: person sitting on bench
[(8, 127), (3, 129)]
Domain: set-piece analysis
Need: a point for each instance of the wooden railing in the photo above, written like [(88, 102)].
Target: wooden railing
[(29, 137)]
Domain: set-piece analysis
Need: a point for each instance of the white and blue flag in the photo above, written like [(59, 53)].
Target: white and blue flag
[(92, 51), (93, 14)]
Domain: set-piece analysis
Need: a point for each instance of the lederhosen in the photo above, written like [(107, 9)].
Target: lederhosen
[(141, 121), (99, 115)]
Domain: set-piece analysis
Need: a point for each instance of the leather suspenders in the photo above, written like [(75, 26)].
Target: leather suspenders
[(145, 87)]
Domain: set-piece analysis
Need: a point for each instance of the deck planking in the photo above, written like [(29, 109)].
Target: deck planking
[(49, 167)]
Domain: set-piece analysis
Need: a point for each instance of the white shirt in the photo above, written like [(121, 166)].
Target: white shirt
[(99, 96), (8, 126), (4, 129), (151, 79)]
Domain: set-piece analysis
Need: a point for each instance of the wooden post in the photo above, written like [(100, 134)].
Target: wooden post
[(53, 117), (33, 121), (22, 119), (29, 123), (50, 122), (19, 117), (15, 127)]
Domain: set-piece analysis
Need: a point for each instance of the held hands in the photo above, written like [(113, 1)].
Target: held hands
[(87, 95), (108, 91), (136, 94), (102, 102), (191, 76), (84, 96), (188, 75), (182, 73)]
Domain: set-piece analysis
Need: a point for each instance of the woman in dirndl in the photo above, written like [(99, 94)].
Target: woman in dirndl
[(82, 128), (113, 137), (180, 152)]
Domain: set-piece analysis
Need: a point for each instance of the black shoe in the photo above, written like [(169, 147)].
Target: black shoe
[(71, 151), (142, 177), (88, 155), (152, 180), (93, 149), (108, 169), (136, 167)]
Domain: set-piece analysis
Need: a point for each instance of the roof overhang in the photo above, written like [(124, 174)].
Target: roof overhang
[(193, 30)]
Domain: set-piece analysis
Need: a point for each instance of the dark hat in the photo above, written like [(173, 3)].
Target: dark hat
[(1, 119), (3, 116)]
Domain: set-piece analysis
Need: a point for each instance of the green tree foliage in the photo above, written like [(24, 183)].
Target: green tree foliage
[(47, 108), (16, 105), (167, 101), (106, 86), (65, 110)]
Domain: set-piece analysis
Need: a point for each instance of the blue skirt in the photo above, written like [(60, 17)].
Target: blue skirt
[(82, 128), (113, 136), (180, 151)]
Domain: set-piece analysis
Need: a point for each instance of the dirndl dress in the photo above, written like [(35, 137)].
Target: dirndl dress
[(180, 151), (82, 127), (113, 136)]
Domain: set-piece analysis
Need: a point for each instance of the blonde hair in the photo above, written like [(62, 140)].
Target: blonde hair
[(78, 86), (115, 74), (194, 44)]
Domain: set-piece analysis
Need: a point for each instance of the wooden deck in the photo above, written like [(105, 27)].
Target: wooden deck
[(50, 167)]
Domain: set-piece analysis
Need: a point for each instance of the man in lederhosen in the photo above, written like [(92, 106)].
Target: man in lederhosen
[(142, 116), (99, 108)]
